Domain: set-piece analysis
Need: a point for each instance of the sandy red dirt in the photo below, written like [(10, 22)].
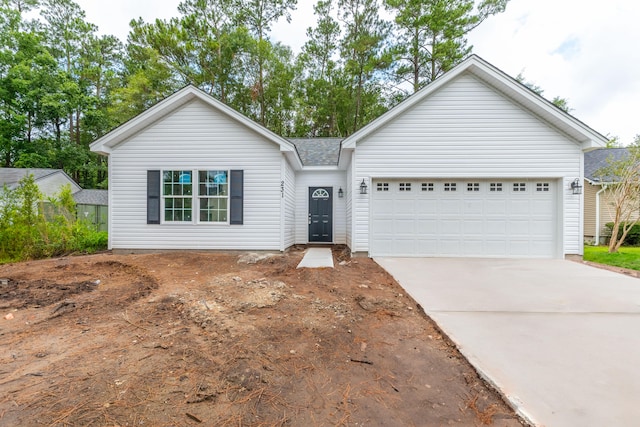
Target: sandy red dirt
[(185, 339)]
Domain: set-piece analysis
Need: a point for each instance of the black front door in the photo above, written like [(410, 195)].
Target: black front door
[(320, 214)]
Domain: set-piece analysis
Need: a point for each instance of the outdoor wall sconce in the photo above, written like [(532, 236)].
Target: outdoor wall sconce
[(363, 187), (576, 188), (340, 193)]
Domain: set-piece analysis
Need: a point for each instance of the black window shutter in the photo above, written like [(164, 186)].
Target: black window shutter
[(236, 194), (153, 197)]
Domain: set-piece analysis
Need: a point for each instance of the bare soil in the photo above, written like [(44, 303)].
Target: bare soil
[(185, 339)]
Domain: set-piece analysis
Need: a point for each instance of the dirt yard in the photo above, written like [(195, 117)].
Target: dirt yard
[(186, 339)]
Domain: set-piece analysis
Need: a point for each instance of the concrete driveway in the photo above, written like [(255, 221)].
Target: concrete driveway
[(560, 339)]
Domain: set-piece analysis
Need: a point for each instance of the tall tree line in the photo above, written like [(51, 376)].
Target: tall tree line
[(62, 85)]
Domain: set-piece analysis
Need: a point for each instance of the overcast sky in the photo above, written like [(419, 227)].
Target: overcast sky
[(581, 50)]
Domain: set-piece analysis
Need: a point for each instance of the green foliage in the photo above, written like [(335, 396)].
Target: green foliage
[(431, 35), (561, 103), (621, 178), (32, 228), (365, 59), (614, 141), (633, 235), (63, 85), (626, 257)]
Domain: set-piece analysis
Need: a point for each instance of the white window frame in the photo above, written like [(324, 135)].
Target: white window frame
[(195, 196), (217, 197), (165, 196)]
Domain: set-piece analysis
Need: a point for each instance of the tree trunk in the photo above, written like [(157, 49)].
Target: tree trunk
[(29, 127), (416, 62)]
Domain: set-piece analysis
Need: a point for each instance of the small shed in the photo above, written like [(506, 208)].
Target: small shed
[(93, 205)]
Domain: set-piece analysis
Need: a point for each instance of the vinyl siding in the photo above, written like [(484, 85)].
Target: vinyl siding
[(348, 197), (590, 210), (607, 213), (306, 179), (52, 184), (467, 129), (196, 137), (289, 204)]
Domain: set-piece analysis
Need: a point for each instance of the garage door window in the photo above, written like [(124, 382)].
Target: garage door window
[(495, 186), (382, 186), (427, 186), (473, 186), (542, 186), (449, 186), (405, 186), (519, 186)]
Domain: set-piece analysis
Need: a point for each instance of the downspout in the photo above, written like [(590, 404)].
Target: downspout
[(604, 187)]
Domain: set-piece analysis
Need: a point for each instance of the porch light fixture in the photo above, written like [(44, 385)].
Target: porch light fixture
[(363, 187), (576, 188), (340, 193)]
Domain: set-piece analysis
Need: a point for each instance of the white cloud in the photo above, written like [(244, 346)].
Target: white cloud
[(576, 49), (113, 16)]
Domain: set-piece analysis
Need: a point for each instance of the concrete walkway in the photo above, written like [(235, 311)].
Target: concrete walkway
[(560, 339), (317, 258)]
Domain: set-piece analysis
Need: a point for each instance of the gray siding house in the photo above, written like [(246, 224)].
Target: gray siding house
[(475, 164)]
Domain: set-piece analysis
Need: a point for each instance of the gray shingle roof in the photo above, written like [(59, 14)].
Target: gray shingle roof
[(597, 159), (318, 151), (92, 197), (12, 176)]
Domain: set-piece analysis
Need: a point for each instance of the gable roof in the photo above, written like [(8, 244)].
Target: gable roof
[(318, 151), (11, 176), (597, 159), (503, 83), (92, 197), (106, 143)]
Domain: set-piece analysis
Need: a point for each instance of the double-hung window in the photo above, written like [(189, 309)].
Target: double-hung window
[(177, 192), (210, 200), (213, 195)]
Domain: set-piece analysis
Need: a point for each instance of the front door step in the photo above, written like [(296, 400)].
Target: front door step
[(317, 258)]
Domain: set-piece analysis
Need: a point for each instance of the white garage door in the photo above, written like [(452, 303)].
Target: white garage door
[(478, 218)]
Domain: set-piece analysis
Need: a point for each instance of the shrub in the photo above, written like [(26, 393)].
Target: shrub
[(633, 237), (31, 227)]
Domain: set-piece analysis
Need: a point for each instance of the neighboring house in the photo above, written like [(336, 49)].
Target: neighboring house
[(49, 181), (475, 164), (91, 204), (598, 206)]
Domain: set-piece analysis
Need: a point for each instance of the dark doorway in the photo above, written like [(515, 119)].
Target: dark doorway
[(320, 214)]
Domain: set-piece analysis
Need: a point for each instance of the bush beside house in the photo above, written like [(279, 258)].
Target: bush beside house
[(633, 236), (33, 226)]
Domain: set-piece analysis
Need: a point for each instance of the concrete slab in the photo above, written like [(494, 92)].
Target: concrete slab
[(317, 258), (558, 338)]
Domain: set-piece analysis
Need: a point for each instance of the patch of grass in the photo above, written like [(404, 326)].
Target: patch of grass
[(627, 257)]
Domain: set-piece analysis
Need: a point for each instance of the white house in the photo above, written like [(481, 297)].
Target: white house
[(49, 181), (90, 204), (475, 164)]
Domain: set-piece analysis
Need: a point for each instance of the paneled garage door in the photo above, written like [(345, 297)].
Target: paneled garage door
[(478, 218)]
